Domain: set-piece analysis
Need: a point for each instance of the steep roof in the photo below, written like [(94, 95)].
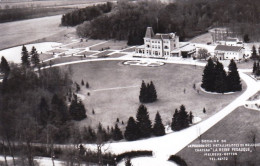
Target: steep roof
[(149, 32), (164, 36), (227, 48)]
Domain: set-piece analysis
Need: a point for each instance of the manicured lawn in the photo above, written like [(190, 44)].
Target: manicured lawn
[(84, 43), (117, 55), (235, 128), (170, 81), (113, 45)]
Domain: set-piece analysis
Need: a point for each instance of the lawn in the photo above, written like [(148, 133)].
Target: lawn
[(122, 100), (113, 45), (85, 43), (236, 128)]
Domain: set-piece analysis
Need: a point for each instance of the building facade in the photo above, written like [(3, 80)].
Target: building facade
[(225, 52), (158, 45)]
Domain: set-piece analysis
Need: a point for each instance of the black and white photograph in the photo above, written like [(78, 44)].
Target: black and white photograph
[(129, 82)]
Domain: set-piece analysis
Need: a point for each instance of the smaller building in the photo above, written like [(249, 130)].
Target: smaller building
[(225, 52)]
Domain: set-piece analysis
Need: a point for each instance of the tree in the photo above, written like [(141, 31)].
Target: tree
[(254, 67), (191, 118), (132, 130), (117, 134), (82, 82), (246, 38), (204, 110), (143, 93), (87, 85), (25, 57), (158, 128), (203, 53), (35, 57), (152, 92), (183, 117), (44, 113), (58, 113), (175, 125), (143, 122), (254, 54), (221, 78), (208, 77), (77, 109), (4, 66), (128, 162), (233, 79)]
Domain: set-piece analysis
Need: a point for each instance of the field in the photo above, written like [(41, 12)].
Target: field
[(49, 3), (29, 31), (113, 45), (237, 127), (114, 91)]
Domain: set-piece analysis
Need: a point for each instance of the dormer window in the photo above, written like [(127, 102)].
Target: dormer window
[(148, 46)]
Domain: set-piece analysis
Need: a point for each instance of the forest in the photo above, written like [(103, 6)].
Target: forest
[(128, 20)]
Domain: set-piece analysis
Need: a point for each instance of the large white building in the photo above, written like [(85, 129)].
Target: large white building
[(158, 45), (227, 52)]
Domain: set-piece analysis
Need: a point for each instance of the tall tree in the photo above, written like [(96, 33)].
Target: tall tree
[(117, 134), (35, 57), (59, 111), (43, 115), (208, 77), (143, 93), (4, 66), (25, 57), (183, 117), (131, 131), (77, 109), (158, 128), (254, 54), (221, 78), (175, 125), (143, 122), (152, 92), (233, 79), (254, 67)]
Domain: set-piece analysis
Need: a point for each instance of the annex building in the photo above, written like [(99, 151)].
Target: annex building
[(227, 52)]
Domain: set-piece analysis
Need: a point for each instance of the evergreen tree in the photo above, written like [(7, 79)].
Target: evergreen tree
[(183, 117), (191, 118), (35, 57), (25, 57), (221, 78), (143, 92), (87, 85), (158, 128), (77, 110), (254, 54), (117, 134), (128, 162), (176, 121), (4, 66), (44, 113), (204, 110), (152, 92), (58, 113), (233, 79), (82, 83), (102, 135), (254, 68), (246, 38), (131, 131), (143, 122), (208, 78)]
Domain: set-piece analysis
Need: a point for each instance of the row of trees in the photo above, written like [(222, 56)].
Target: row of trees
[(142, 126), (148, 93), (87, 14), (215, 79), (128, 20)]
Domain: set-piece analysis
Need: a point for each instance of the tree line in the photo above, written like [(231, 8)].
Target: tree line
[(129, 20), (215, 78), (87, 14)]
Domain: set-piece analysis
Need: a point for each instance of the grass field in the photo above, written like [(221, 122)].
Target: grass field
[(235, 128), (114, 91)]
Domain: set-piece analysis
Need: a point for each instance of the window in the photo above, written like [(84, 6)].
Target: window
[(148, 46), (166, 47)]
